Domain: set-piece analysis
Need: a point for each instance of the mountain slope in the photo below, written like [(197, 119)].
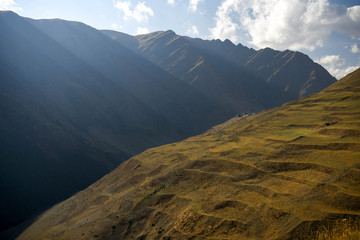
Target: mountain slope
[(243, 78), (310, 78), (62, 123), (292, 172), (232, 87)]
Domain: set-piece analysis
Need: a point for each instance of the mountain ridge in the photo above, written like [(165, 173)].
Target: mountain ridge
[(201, 63)]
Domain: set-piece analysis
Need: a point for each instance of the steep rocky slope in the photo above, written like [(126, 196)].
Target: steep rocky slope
[(244, 79), (292, 172)]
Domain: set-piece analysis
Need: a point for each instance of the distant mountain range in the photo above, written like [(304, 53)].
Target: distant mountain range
[(75, 101), (291, 172)]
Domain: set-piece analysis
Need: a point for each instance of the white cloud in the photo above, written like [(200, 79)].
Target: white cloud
[(171, 2), (9, 5), (354, 48), (142, 30), (192, 31), (284, 24), (334, 60), (335, 65), (140, 12), (115, 26), (225, 27), (354, 13), (193, 5), (339, 73)]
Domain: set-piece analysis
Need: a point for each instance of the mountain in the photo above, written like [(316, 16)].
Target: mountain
[(292, 172), (65, 124), (245, 79), (76, 102)]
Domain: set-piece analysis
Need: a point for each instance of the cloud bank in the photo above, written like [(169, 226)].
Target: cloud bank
[(354, 49), (142, 30), (193, 5), (284, 24), (9, 5), (140, 12), (116, 27), (192, 31), (334, 64)]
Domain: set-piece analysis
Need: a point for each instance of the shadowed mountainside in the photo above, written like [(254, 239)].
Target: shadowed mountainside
[(292, 172), (175, 100)]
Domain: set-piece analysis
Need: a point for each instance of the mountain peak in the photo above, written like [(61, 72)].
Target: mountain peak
[(228, 42), (8, 12), (170, 32)]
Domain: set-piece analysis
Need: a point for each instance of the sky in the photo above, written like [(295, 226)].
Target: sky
[(326, 30)]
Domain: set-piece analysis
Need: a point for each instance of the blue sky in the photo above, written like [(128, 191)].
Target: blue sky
[(327, 30)]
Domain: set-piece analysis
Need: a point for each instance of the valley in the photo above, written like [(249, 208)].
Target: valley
[(291, 172)]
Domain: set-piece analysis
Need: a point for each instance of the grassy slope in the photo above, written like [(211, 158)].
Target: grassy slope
[(288, 173)]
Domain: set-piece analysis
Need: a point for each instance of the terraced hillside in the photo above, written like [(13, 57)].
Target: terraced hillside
[(292, 172)]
